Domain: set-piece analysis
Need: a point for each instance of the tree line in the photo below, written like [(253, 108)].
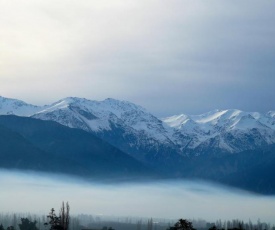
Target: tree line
[(63, 221), (53, 221)]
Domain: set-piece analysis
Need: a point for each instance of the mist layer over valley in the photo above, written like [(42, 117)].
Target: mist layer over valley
[(170, 199)]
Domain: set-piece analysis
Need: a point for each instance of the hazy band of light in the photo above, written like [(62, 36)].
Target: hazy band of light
[(167, 199)]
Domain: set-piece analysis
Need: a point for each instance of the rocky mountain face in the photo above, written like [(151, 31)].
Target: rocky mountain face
[(223, 131), (10, 106), (123, 124), (136, 131), (226, 146)]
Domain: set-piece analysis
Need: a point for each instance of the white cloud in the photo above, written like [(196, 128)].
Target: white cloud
[(165, 51)]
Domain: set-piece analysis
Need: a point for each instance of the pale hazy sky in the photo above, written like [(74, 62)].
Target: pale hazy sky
[(169, 56)]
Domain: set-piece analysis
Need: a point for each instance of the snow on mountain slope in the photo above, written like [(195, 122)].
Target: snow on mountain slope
[(123, 124), (216, 120), (227, 130), (134, 130), (97, 116), (10, 106)]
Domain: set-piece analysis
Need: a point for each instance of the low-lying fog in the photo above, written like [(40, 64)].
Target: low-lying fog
[(29, 192)]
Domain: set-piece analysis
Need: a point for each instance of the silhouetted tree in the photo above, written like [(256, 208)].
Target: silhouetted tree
[(65, 215), (60, 222), (54, 221), (182, 224), (1, 227), (150, 224), (26, 224), (10, 228), (14, 220), (240, 226), (139, 223), (213, 228)]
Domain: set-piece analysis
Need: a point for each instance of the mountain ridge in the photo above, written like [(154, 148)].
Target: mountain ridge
[(136, 131), (167, 146), (223, 123)]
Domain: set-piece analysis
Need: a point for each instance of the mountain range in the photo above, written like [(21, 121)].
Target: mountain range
[(133, 129), (178, 146)]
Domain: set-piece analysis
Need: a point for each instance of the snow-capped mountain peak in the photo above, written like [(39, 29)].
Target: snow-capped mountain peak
[(232, 130), (10, 106), (99, 116), (271, 114), (133, 129)]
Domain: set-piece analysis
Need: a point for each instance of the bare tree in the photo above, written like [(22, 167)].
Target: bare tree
[(139, 224), (150, 224), (65, 215)]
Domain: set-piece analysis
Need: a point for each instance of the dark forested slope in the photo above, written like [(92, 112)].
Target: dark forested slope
[(47, 145)]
